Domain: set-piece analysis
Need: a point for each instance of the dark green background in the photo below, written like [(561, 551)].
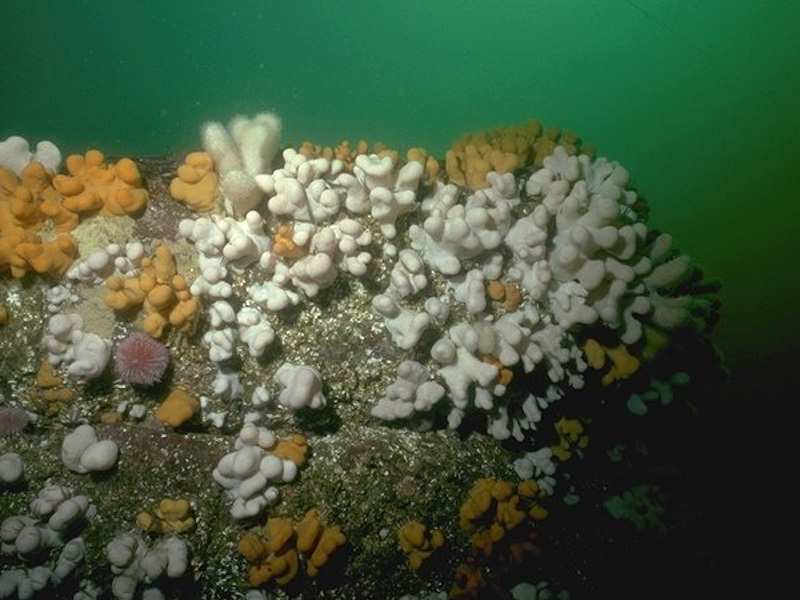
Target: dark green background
[(697, 99)]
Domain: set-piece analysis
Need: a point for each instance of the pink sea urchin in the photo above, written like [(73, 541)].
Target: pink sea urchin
[(13, 420), (141, 359)]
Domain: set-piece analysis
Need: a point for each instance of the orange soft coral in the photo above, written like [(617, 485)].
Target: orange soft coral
[(23, 251), (114, 188), (432, 167), (503, 150), (273, 551), (623, 363), (418, 543), (160, 290), (34, 224), (498, 511), (511, 296), (284, 244), (171, 516), (571, 437), (293, 448), (38, 210), (196, 185), (178, 408), (23, 200), (54, 256)]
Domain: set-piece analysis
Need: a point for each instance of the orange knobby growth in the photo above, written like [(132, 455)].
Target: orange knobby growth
[(284, 244), (164, 295), (171, 516), (293, 448), (178, 408), (197, 184), (418, 543), (115, 188), (504, 374)]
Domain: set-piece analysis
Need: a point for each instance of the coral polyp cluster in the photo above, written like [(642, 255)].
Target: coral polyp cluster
[(261, 334)]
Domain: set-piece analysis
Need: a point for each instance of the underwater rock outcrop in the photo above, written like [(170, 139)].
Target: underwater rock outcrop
[(491, 344)]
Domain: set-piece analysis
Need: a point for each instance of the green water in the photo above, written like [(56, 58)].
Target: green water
[(698, 100)]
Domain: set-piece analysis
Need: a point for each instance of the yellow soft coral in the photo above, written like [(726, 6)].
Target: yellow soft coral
[(284, 566), (432, 167), (23, 251), (253, 547), (504, 150), (508, 515), (273, 551), (418, 543), (279, 531), (478, 502), (469, 159), (30, 200), (50, 389), (570, 437), (316, 541), (495, 508), (25, 207), (270, 553), (265, 566), (532, 493), (41, 202), (655, 341), (329, 541), (469, 582), (171, 516), (623, 363), (501, 520), (124, 293), (595, 354)]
